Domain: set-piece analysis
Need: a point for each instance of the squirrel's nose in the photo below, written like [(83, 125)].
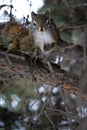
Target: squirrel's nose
[(41, 29)]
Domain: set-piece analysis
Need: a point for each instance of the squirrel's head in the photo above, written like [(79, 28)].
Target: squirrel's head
[(41, 21)]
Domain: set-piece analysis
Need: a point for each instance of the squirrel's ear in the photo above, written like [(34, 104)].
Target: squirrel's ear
[(47, 13), (33, 14)]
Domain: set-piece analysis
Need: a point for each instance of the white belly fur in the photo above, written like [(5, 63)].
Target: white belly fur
[(43, 38)]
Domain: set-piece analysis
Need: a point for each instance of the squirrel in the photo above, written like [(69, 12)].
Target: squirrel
[(43, 30)]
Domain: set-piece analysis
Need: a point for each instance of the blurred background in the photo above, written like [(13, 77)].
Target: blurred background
[(20, 8), (69, 11)]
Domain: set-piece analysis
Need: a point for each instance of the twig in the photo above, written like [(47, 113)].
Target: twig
[(51, 122), (30, 65), (71, 27), (69, 47), (68, 118), (8, 60), (12, 55), (84, 48), (61, 112)]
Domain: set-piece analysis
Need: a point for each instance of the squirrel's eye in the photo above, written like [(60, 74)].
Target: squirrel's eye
[(34, 23), (47, 23)]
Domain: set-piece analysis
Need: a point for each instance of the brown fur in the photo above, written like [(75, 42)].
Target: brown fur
[(43, 30)]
